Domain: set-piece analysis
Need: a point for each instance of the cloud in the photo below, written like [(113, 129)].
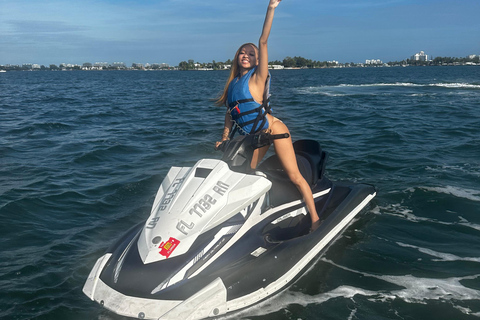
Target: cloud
[(25, 27)]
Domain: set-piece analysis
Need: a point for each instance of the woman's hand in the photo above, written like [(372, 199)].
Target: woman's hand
[(218, 144), (226, 131), (274, 3)]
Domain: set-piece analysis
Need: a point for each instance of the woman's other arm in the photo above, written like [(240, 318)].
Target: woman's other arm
[(227, 128)]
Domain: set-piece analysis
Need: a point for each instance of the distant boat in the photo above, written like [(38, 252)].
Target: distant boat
[(3, 70)]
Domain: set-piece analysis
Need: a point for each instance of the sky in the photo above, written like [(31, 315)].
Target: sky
[(170, 31)]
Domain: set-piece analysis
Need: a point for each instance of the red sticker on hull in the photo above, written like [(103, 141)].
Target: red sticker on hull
[(166, 248)]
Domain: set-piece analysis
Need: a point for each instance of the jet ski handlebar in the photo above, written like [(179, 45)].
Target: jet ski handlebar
[(265, 139), (238, 152), (257, 140)]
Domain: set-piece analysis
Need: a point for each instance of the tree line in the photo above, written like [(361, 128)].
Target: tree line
[(301, 62), (288, 62), (439, 61)]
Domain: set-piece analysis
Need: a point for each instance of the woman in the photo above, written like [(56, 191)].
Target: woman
[(244, 97)]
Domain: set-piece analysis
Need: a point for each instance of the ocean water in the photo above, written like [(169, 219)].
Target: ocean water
[(83, 153)]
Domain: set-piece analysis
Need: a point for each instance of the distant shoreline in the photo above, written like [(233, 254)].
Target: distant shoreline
[(205, 69), (288, 63)]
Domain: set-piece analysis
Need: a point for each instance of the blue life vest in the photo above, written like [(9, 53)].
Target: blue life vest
[(247, 114)]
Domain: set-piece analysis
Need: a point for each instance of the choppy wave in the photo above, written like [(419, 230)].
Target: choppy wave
[(442, 256), (468, 169), (404, 212), (415, 290), (469, 194), (289, 297), (349, 89), (418, 289), (410, 84)]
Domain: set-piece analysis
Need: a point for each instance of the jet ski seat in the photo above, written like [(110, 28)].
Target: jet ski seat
[(311, 162), (311, 150)]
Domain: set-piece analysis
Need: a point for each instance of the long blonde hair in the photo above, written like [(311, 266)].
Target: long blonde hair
[(222, 99)]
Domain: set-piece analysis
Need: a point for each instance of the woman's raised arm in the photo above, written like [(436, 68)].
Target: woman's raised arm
[(262, 70)]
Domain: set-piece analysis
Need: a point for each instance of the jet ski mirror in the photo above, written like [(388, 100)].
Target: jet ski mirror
[(238, 152)]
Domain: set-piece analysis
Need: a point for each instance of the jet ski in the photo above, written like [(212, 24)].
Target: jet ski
[(221, 237)]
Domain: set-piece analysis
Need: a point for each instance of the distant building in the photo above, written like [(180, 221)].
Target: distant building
[(138, 66), (119, 65), (156, 66), (421, 56), (373, 61), (101, 65)]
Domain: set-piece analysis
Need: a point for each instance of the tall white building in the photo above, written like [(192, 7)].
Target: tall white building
[(421, 56), (373, 61)]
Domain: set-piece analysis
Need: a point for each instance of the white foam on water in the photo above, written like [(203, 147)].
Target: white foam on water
[(331, 91), (467, 168), (288, 297), (352, 314), (407, 214), (440, 255), (398, 210), (412, 290), (467, 311), (322, 90), (396, 84), (466, 223), (401, 211), (421, 290), (459, 85), (469, 194)]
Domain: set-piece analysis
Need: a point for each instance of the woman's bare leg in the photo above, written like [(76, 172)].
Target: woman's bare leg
[(286, 155), (258, 155)]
